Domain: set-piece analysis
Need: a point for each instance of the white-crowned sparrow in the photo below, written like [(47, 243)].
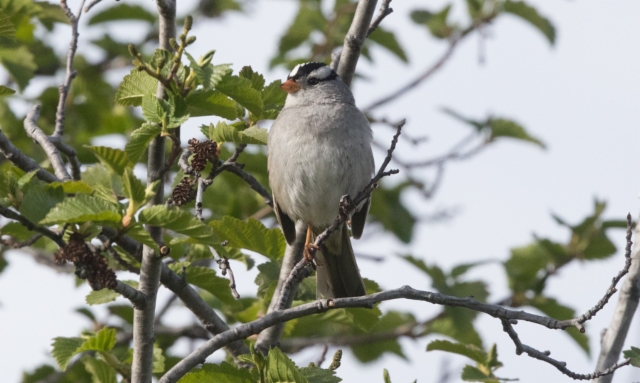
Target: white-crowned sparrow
[(319, 150)]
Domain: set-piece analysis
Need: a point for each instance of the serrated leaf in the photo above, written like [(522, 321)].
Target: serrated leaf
[(100, 371), (134, 86), (138, 232), (73, 187), (501, 127), (470, 351), (106, 295), (102, 341), (4, 91), (474, 374), (180, 221), (634, 355), (153, 109), (319, 375), (387, 40), (222, 373), (257, 80), (7, 29), (158, 360), (206, 279), (114, 159), (223, 132), (241, 90), (38, 200), (64, 349), (251, 235), (82, 208), (281, 369), (207, 74), (531, 15), (211, 103), (140, 140), (123, 12), (134, 190)]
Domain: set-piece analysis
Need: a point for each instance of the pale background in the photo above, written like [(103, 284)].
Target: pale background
[(581, 98)]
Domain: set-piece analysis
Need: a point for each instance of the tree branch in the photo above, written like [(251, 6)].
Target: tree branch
[(71, 154), (51, 151), (71, 74), (320, 306), (20, 160), (4, 211), (354, 39), (138, 299), (453, 43), (614, 336)]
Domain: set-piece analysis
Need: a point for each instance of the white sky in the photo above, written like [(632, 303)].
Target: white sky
[(581, 98)]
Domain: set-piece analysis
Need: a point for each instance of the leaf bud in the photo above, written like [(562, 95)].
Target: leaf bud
[(133, 51), (173, 43), (188, 23), (191, 40)]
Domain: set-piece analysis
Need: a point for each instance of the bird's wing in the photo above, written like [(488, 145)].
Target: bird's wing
[(288, 226)]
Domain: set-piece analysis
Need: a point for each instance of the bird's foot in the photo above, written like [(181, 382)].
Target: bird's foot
[(309, 252)]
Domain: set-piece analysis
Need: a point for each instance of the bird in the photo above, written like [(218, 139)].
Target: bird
[(319, 149)]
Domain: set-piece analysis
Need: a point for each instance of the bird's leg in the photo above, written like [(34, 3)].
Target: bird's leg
[(309, 248)]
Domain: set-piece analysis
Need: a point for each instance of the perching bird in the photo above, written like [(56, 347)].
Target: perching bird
[(319, 150)]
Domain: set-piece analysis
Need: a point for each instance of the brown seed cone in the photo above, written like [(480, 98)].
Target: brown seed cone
[(184, 191), (203, 152)]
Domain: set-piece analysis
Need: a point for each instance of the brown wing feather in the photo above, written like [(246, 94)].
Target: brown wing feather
[(358, 219), (288, 226)]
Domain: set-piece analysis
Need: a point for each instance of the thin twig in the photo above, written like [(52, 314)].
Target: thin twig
[(32, 226), (90, 5), (183, 162), (71, 154), (225, 268), (544, 356), (322, 356), (383, 12), (50, 150), (20, 160), (71, 74), (453, 43)]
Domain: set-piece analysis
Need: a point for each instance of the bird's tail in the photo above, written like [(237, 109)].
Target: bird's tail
[(337, 272)]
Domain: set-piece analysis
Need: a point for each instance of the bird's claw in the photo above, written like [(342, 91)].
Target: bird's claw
[(309, 252)]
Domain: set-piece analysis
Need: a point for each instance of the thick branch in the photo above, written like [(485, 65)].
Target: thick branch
[(354, 39), (614, 336), (20, 160), (51, 151), (138, 299)]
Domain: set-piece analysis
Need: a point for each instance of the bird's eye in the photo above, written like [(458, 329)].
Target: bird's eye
[(313, 81)]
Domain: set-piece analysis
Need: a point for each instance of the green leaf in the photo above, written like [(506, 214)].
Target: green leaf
[(100, 371), (222, 373), (436, 23), (180, 221), (106, 295), (386, 376), (134, 190), (241, 90), (470, 351), (251, 235), (82, 208), (281, 369), (387, 208), (125, 312), (140, 140), (64, 349), (38, 200), (501, 127), (257, 80), (73, 187), (223, 132), (39, 374), (114, 159), (319, 375), (20, 64), (634, 355), (207, 74), (123, 12), (388, 323), (273, 98), (4, 91), (531, 15), (474, 374), (158, 360), (7, 29), (134, 86), (211, 103), (206, 279), (524, 264), (138, 232), (308, 19), (387, 40)]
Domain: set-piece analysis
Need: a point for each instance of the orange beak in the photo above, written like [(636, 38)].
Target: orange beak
[(290, 86)]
